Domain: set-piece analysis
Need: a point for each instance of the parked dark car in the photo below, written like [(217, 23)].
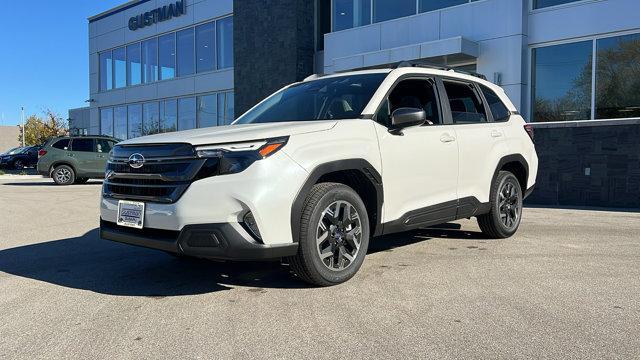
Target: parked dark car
[(20, 158)]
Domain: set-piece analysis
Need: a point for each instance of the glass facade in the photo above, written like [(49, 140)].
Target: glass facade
[(202, 48), (538, 4), (125, 122)]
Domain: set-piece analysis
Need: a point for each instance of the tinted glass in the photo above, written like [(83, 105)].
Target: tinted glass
[(225, 43), (351, 13), (120, 122), (412, 93), (167, 53), (168, 115), (103, 146), (466, 107), (618, 77), (150, 118), (207, 110), (431, 5), (562, 82), (106, 121), (230, 109), (150, 61), (186, 113), (134, 65), (340, 97), (84, 145), (185, 51), (205, 48), (135, 121), (61, 144), (498, 109), (392, 9), (106, 71), (537, 4), (120, 67)]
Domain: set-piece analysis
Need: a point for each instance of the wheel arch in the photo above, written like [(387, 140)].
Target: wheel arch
[(62, 162), (517, 165), (358, 174)]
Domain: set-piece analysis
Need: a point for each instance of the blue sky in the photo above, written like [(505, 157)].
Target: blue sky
[(44, 57)]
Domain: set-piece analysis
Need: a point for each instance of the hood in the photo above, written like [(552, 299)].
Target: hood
[(235, 133)]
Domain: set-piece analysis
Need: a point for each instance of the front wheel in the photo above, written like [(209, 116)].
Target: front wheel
[(334, 235), (63, 175), (506, 207), (18, 165)]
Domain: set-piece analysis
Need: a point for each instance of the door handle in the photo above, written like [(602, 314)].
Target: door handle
[(446, 138), (70, 155), (496, 133)]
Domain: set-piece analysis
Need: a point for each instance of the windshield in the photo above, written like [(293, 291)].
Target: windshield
[(334, 98)]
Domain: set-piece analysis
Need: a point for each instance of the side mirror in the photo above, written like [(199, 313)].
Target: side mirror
[(406, 117)]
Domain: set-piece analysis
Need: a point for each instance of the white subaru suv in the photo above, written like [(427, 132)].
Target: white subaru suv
[(317, 169)]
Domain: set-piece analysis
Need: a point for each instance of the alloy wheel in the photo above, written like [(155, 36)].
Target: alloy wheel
[(509, 205), (63, 175), (339, 235)]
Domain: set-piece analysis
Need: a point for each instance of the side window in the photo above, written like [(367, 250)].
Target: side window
[(61, 144), (498, 109), (84, 145), (103, 145), (466, 107), (412, 93)]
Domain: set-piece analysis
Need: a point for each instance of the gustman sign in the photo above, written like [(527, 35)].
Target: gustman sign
[(157, 15)]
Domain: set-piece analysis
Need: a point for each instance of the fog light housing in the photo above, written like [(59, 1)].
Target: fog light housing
[(249, 223)]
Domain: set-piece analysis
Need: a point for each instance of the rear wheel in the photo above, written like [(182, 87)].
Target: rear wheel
[(506, 207), (18, 165), (63, 175), (334, 235)]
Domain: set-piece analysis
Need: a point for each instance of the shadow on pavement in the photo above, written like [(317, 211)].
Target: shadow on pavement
[(89, 263), (49, 183)]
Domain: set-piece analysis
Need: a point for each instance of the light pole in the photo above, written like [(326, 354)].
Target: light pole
[(23, 129)]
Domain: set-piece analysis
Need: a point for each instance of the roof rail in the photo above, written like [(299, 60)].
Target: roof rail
[(438, 67)]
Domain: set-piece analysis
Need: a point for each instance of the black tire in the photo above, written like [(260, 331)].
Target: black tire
[(82, 180), (505, 215), (344, 246), (18, 165), (63, 175)]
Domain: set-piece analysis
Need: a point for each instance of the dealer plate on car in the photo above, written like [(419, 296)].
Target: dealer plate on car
[(131, 214)]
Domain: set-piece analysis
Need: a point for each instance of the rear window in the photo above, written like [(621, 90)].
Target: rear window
[(498, 109), (466, 107), (85, 145), (61, 144)]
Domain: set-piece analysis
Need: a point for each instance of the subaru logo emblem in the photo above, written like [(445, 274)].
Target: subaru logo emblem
[(136, 161)]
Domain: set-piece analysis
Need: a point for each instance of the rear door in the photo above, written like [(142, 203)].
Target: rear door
[(84, 157)]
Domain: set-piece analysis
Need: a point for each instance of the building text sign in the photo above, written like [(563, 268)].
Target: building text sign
[(157, 15)]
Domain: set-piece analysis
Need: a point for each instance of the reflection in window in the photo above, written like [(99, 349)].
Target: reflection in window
[(134, 68), (618, 77), (562, 82), (186, 113), (207, 110), (106, 71), (185, 52), (537, 4), (150, 61), (106, 121), (351, 13), (465, 105), (120, 122), (498, 109), (168, 115), (150, 118), (230, 109), (120, 67), (225, 43), (392, 9), (135, 121), (167, 56), (205, 49), (431, 5)]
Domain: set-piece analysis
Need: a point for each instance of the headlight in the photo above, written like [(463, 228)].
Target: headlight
[(227, 159)]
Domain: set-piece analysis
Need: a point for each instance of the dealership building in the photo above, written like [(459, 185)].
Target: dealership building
[(571, 68)]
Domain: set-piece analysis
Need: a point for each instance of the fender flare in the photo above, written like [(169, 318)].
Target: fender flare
[(509, 159)]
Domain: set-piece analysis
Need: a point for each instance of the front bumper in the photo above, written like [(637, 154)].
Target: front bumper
[(211, 241)]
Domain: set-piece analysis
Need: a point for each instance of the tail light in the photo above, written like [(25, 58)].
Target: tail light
[(41, 153), (529, 129)]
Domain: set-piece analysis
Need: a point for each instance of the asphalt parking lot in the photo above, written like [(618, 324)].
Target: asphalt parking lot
[(567, 286)]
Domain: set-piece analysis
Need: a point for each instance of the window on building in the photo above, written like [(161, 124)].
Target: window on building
[(150, 118), (135, 121), (225, 43), (106, 121), (120, 67), (431, 5), (561, 85), (351, 13), (134, 65), (230, 109), (384, 10), (207, 110), (106, 71), (167, 56), (120, 122), (618, 77), (498, 109), (168, 115), (185, 51), (465, 105), (150, 61), (223, 117), (186, 113), (205, 47), (538, 4)]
